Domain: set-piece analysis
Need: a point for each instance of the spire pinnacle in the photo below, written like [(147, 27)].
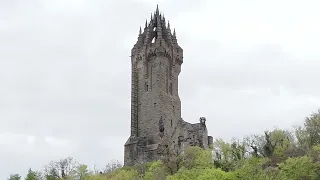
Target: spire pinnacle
[(174, 32), (168, 25), (157, 11), (140, 31)]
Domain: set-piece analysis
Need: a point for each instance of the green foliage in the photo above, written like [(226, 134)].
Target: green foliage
[(298, 168), (271, 173), (33, 175), (252, 169), (186, 174), (315, 153), (228, 156), (222, 150), (125, 175), (281, 141), (202, 174), (14, 177), (196, 157), (312, 126), (51, 177), (98, 177), (82, 172), (272, 155), (216, 174), (156, 171)]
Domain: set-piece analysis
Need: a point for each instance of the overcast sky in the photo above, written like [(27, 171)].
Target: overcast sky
[(249, 66)]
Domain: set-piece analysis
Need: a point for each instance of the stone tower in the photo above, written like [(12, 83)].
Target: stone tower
[(156, 122)]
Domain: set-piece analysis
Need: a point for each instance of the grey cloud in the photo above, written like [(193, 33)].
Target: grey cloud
[(264, 66)]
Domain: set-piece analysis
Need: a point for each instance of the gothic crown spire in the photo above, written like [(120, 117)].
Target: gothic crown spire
[(157, 29)]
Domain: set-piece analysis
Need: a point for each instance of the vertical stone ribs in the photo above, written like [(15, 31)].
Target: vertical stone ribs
[(146, 70), (134, 101)]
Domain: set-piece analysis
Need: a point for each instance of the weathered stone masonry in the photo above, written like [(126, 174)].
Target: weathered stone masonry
[(156, 121)]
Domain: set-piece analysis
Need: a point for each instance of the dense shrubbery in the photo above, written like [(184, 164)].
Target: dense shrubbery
[(274, 155)]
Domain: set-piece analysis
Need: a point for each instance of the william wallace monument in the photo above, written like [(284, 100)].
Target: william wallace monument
[(156, 123)]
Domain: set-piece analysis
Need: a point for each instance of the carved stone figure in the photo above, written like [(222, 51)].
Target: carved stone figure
[(161, 125)]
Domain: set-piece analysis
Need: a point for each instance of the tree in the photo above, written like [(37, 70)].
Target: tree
[(238, 150), (222, 150), (252, 169), (33, 175), (194, 156), (121, 174), (228, 156), (276, 154), (112, 166), (156, 171), (216, 174), (186, 174), (272, 143), (298, 168), (172, 156), (60, 169), (98, 177), (52, 174), (82, 173), (14, 177), (255, 144), (310, 133), (302, 137)]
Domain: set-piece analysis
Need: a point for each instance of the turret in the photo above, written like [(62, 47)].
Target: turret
[(156, 65)]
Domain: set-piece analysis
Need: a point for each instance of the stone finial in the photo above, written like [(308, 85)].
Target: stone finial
[(163, 20), (159, 28), (174, 32), (140, 31), (168, 25), (202, 120), (157, 11)]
